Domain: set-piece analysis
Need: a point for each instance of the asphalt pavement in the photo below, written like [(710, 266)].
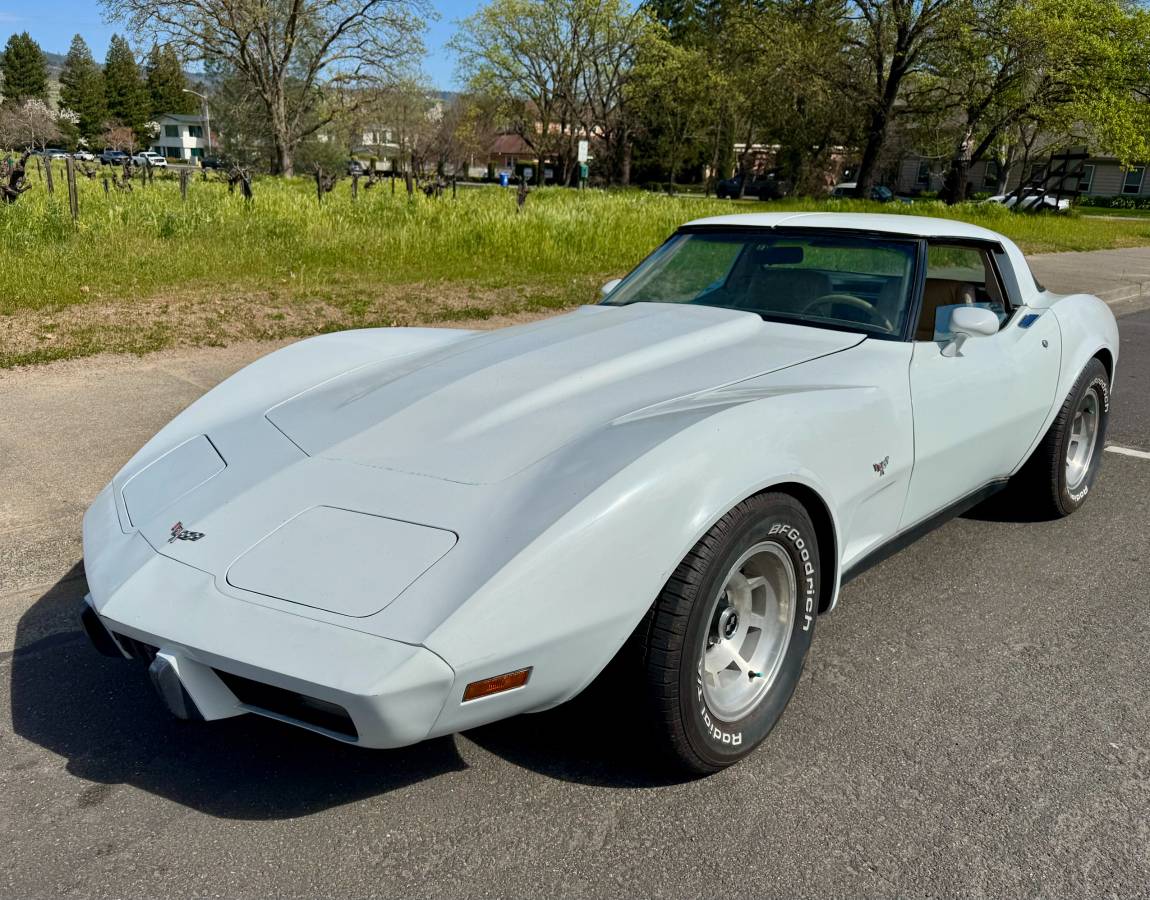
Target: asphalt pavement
[(974, 720)]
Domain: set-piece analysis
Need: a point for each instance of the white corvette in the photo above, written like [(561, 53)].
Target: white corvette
[(392, 534)]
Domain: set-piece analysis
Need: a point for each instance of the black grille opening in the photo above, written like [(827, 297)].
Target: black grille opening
[(282, 702), (136, 649)]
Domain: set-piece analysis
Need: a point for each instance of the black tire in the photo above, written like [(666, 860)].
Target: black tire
[(680, 624), (1042, 482)]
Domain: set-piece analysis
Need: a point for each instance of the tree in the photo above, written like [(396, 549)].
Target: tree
[(31, 123), (892, 40), (556, 68), (120, 137), (613, 41), (673, 87), (82, 90), (166, 83), (1054, 66), (124, 89), (523, 53), (24, 70), (292, 53)]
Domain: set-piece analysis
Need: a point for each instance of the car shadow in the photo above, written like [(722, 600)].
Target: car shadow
[(594, 739), (103, 717), (1007, 506)]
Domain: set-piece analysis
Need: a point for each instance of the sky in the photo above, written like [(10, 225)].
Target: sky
[(52, 25)]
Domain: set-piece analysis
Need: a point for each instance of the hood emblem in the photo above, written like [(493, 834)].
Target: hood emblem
[(179, 533), (880, 466)]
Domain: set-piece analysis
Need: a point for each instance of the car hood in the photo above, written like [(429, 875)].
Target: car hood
[(486, 407)]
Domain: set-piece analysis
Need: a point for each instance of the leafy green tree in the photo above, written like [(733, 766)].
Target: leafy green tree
[(1051, 67), (892, 42), (24, 70), (673, 87), (82, 90), (166, 83)]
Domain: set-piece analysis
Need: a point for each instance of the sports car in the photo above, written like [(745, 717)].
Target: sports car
[(388, 535)]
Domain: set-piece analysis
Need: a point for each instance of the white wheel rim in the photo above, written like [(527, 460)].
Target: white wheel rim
[(748, 631), (1083, 439)]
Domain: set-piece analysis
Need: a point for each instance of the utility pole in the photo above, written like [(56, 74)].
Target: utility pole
[(207, 117)]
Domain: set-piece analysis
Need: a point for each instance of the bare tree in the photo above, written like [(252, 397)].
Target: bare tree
[(290, 51)]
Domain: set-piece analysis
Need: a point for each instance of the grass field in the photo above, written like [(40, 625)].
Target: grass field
[(143, 270)]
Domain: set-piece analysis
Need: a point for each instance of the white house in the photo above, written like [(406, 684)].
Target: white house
[(181, 137)]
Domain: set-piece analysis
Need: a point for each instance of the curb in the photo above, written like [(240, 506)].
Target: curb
[(1128, 299)]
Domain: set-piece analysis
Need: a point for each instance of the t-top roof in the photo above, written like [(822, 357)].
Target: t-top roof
[(915, 226)]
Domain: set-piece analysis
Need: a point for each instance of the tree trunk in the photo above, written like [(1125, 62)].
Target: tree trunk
[(879, 124), (876, 138), (284, 164), (625, 169), (743, 157)]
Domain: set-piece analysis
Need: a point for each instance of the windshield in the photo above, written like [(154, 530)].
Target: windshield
[(823, 279)]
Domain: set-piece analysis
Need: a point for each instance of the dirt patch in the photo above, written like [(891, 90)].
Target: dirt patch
[(220, 317)]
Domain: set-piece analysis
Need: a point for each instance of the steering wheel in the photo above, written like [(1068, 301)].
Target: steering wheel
[(829, 300)]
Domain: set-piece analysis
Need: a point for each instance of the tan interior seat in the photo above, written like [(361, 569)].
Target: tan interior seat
[(940, 292)]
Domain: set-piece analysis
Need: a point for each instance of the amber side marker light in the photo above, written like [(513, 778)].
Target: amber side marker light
[(496, 685)]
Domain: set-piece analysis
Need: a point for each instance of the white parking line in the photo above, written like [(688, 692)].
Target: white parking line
[(1128, 451)]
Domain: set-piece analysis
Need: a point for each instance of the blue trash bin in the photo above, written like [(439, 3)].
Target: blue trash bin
[(504, 179)]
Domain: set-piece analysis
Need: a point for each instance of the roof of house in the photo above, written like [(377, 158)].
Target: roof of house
[(505, 144), (180, 117)]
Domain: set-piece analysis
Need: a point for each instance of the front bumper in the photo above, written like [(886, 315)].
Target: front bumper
[(212, 656)]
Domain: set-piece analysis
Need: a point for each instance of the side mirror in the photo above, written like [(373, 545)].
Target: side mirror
[(967, 322), (609, 287)]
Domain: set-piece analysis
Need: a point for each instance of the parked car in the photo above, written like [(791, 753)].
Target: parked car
[(394, 534), (109, 157), (84, 156), (878, 192), (1031, 201), (355, 167), (215, 162), (763, 186), (150, 158), (54, 153)]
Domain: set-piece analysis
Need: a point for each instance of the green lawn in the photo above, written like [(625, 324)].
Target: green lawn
[(143, 270)]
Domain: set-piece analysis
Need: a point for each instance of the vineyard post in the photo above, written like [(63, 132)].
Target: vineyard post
[(452, 187), (73, 199), (48, 172), (319, 185), (184, 185), (354, 187), (407, 179), (393, 179)]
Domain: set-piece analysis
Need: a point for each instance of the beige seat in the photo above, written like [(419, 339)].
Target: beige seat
[(940, 292)]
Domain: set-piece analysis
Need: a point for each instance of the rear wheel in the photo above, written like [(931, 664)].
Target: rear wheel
[(1060, 474), (725, 642)]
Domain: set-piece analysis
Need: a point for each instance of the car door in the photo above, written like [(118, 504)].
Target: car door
[(977, 413)]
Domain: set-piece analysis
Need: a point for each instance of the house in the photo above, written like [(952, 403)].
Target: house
[(1102, 176), (181, 137)]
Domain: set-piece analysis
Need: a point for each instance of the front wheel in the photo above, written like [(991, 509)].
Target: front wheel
[(725, 642)]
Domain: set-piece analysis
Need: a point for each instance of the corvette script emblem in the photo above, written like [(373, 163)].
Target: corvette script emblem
[(880, 466), (179, 533)]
